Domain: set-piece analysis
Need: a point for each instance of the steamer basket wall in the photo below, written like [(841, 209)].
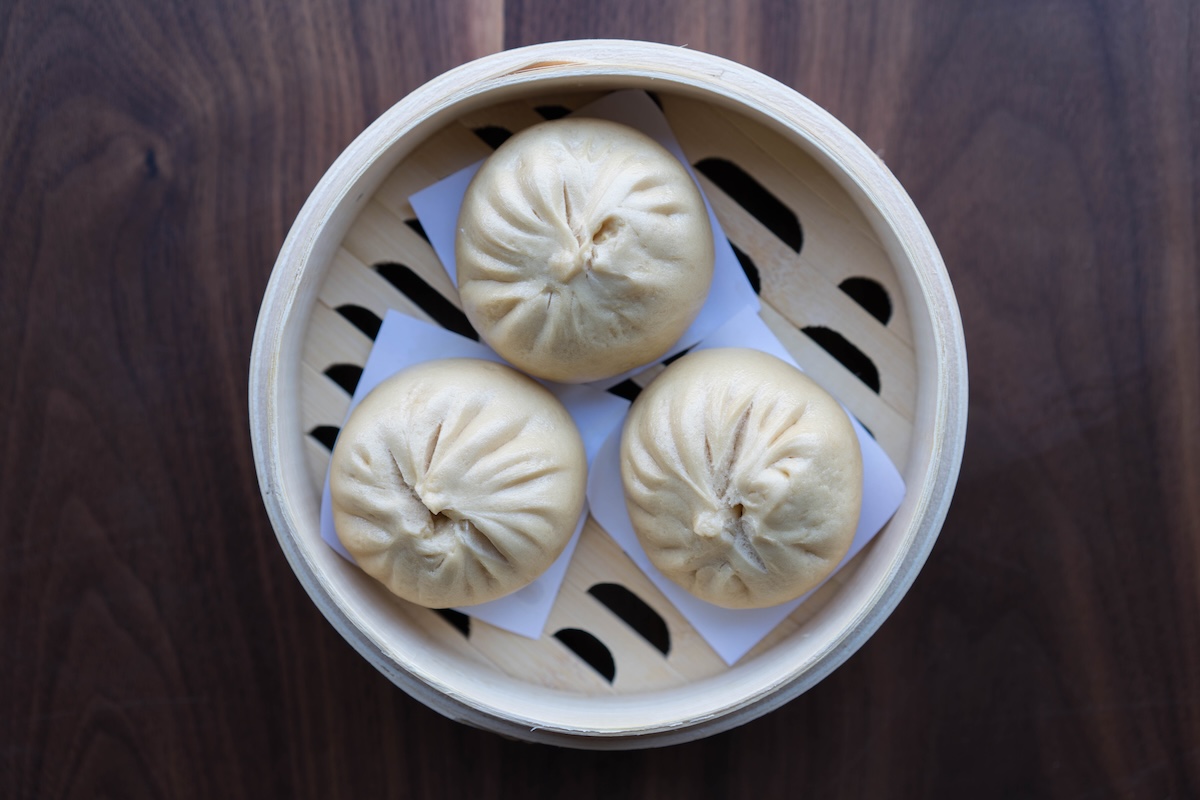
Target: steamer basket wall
[(851, 282)]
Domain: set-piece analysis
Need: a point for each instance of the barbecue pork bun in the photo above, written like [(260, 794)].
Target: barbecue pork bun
[(742, 476), (458, 481), (583, 250)]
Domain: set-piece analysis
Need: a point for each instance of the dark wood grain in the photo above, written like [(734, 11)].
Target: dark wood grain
[(155, 641)]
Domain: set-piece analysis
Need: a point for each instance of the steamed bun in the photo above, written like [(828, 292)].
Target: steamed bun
[(742, 476), (584, 250), (455, 482)]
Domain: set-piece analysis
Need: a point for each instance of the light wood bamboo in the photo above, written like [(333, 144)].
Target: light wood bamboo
[(857, 221)]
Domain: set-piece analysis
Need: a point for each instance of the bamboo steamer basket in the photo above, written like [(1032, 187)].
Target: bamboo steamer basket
[(851, 282)]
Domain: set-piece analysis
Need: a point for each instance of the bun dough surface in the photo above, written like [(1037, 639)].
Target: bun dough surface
[(742, 476), (455, 482), (584, 250)]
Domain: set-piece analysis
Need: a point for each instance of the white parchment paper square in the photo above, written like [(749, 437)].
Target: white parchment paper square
[(402, 342), (733, 632), (437, 208)]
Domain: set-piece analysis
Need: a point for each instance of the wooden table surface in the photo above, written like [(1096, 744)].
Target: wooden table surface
[(155, 642)]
